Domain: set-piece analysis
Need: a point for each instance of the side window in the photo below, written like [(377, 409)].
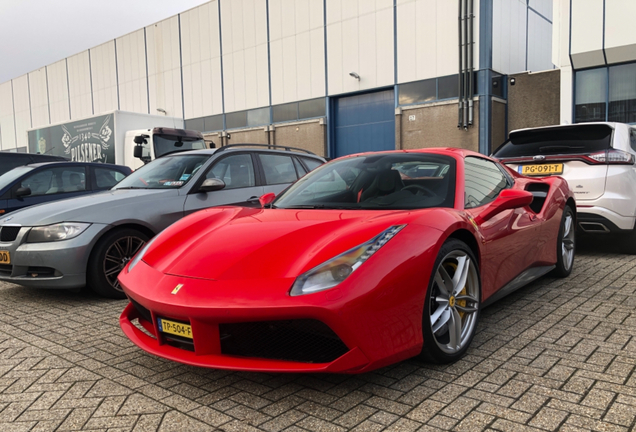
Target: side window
[(632, 139), (107, 178), (56, 180), (278, 169), (236, 171), (483, 182), (312, 164)]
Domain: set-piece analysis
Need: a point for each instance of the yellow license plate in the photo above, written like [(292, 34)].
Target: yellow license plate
[(5, 257), (175, 328), (543, 169)]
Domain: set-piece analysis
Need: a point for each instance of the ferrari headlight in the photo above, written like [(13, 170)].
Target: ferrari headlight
[(56, 232), (331, 273), (140, 254)]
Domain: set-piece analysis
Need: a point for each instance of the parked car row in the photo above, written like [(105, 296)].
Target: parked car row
[(362, 262)]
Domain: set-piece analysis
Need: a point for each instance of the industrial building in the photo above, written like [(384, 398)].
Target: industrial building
[(332, 76)]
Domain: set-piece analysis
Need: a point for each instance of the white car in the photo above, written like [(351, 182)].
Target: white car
[(596, 159)]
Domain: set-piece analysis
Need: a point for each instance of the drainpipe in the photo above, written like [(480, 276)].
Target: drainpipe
[(466, 78), (470, 50), (461, 67)]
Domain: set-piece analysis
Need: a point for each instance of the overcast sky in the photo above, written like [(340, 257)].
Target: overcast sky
[(36, 33)]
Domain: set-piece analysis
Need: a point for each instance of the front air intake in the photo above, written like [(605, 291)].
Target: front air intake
[(9, 233), (305, 340)]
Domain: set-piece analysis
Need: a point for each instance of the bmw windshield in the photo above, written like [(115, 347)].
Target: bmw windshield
[(168, 172), (376, 182)]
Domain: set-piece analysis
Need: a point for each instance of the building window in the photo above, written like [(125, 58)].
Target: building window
[(591, 95), (285, 112), (306, 109), (622, 94), (447, 87), (236, 119), (418, 92), (258, 117), (205, 124)]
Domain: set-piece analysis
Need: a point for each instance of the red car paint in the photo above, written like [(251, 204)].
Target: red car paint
[(238, 265)]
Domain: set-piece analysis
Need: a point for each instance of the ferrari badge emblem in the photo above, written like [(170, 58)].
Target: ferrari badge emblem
[(176, 289)]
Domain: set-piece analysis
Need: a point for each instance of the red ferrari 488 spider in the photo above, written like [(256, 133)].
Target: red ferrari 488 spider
[(368, 260)]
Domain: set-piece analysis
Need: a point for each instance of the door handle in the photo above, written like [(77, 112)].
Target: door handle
[(252, 200)]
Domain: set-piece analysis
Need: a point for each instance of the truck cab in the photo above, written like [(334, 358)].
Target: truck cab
[(142, 146)]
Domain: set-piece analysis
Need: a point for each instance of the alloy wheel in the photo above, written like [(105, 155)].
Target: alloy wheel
[(117, 256), (454, 302), (567, 243)]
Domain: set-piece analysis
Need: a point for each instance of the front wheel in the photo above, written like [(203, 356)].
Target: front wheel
[(565, 245), (110, 255), (451, 308)]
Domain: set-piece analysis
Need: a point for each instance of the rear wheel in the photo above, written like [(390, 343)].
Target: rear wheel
[(110, 255), (451, 309), (566, 244)]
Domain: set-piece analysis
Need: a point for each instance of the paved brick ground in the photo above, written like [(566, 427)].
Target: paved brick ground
[(557, 355)]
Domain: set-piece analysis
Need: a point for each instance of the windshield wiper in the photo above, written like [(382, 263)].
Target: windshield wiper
[(130, 187), (305, 206)]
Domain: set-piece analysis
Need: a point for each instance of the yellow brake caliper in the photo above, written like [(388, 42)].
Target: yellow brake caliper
[(452, 266)]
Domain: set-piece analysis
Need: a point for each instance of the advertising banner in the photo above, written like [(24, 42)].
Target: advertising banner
[(89, 140)]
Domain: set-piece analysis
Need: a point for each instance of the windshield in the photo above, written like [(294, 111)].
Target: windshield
[(376, 182), (165, 145), (169, 172), (8, 177)]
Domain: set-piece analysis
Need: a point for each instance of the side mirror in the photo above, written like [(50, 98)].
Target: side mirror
[(23, 191), (138, 151), (267, 199), (211, 184), (507, 199), (140, 139)]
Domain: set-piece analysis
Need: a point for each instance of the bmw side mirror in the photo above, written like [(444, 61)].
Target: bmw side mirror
[(267, 199), (211, 184), (23, 191), (507, 199)]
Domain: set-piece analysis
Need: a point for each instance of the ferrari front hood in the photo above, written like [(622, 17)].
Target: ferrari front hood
[(240, 243)]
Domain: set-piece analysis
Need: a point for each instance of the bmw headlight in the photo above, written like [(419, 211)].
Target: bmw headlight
[(140, 255), (331, 273), (56, 232)]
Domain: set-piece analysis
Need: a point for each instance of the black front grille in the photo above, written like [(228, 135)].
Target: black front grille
[(9, 233), (145, 313), (307, 341)]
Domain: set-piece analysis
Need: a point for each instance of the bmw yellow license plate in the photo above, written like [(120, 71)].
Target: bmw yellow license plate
[(175, 328), (5, 257), (541, 170)]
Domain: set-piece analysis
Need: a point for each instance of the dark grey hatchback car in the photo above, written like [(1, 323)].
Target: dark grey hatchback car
[(87, 241)]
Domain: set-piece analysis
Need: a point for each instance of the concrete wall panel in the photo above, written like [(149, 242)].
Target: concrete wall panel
[(7, 121), (297, 50), (620, 37), (104, 78), (79, 78), (245, 60), (587, 33), (164, 73), (38, 98), (539, 43), (22, 109), (201, 47), (509, 36), (58, 92), (131, 72), (309, 136), (361, 43)]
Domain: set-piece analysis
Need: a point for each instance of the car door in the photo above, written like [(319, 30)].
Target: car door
[(49, 184), (508, 237), (238, 172)]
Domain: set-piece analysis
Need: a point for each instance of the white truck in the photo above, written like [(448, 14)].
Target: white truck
[(119, 137)]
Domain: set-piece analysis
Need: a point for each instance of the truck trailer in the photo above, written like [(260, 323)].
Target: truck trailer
[(112, 138)]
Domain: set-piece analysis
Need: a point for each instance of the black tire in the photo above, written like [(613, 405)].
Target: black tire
[(108, 258), (566, 244), (461, 307)]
